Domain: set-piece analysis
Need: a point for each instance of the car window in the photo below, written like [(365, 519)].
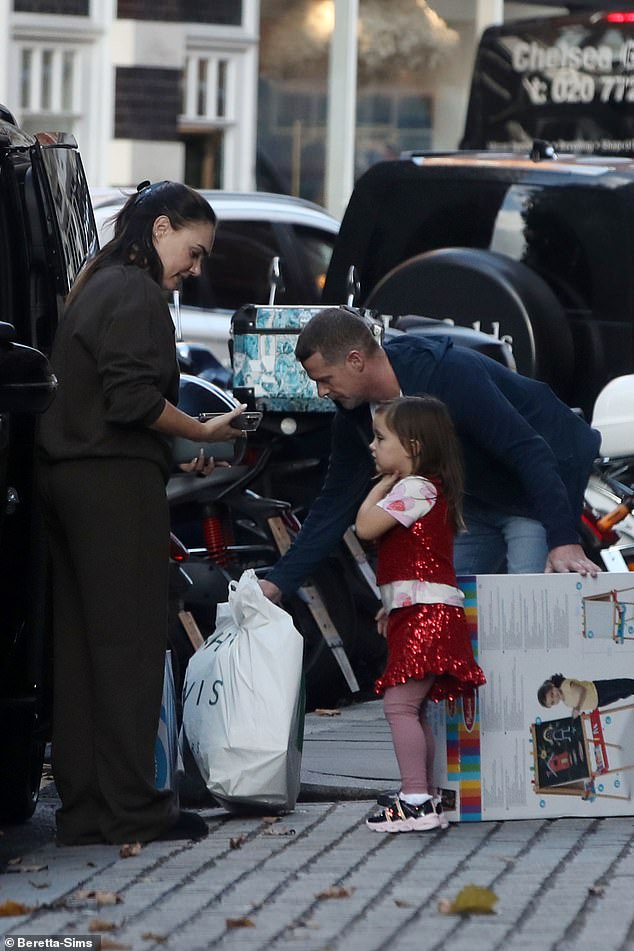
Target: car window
[(72, 209), (237, 272), (317, 250)]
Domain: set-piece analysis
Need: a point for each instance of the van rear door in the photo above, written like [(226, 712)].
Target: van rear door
[(568, 79)]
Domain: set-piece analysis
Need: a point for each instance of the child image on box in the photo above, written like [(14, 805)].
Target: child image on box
[(414, 510), (583, 695)]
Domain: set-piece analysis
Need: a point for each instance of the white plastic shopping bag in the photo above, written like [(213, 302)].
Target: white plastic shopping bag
[(167, 755), (243, 702)]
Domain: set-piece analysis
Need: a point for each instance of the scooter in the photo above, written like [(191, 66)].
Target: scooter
[(608, 518)]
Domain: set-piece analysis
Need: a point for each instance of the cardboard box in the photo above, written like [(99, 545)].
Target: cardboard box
[(504, 754)]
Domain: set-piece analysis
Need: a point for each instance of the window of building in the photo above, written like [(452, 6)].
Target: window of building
[(206, 87), (49, 89), (208, 113)]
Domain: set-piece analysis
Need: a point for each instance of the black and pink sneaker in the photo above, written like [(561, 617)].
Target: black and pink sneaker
[(401, 816)]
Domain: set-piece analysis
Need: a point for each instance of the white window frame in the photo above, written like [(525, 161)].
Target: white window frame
[(238, 48), (214, 63), (33, 107)]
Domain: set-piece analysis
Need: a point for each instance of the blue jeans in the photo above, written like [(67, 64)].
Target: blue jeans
[(496, 543)]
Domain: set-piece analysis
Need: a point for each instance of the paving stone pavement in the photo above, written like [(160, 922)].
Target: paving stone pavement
[(561, 884)]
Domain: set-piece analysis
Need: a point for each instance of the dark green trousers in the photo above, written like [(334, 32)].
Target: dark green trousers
[(108, 525)]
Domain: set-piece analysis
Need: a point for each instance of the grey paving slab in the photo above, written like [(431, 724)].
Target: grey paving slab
[(561, 884)]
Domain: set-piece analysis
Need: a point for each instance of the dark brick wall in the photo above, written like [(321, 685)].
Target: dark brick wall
[(78, 8), (149, 10), (226, 12), (147, 103)]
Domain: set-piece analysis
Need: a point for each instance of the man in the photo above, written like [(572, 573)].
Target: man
[(527, 456)]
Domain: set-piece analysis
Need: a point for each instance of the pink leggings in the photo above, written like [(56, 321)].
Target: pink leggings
[(405, 711)]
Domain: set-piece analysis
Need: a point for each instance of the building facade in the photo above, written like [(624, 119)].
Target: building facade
[(195, 89), (150, 88)]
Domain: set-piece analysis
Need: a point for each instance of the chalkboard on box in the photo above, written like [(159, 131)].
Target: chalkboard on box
[(560, 751)]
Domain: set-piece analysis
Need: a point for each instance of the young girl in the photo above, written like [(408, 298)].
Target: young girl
[(583, 694), (414, 509)]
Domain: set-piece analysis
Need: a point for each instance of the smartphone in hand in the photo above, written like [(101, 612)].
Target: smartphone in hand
[(248, 421)]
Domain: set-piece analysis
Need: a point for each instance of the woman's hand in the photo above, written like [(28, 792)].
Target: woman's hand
[(201, 464), (174, 422), (220, 428)]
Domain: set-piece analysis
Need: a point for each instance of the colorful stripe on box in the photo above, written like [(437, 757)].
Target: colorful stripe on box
[(466, 726)]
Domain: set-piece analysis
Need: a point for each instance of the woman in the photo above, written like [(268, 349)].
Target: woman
[(106, 456)]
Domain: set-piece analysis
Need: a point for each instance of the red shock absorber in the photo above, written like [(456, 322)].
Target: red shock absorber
[(215, 542)]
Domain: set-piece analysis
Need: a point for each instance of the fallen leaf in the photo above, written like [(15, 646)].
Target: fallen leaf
[(39, 884), (596, 890), (279, 832), (336, 891), (324, 712), (108, 943), (243, 922), (8, 908), (152, 936), (270, 819), (99, 897), (470, 900), (98, 924), (130, 849), (237, 841), (402, 904)]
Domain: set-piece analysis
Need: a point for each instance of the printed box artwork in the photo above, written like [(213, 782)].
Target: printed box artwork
[(503, 753)]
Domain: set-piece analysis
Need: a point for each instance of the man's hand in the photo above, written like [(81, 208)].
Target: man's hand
[(271, 590), (570, 558)]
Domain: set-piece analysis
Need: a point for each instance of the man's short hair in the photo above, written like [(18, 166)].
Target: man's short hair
[(333, 333)]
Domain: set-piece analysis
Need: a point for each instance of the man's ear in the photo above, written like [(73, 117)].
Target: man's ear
[(355, 360)]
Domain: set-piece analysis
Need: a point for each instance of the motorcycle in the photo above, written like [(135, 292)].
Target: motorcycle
[(234, 520), (228, 527)]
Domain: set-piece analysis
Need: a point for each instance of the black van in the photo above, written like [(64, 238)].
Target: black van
[(533, 247), (568, 79), (46, 232)]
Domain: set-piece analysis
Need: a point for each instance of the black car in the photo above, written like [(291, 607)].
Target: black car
[(536, 247), (46, 232)]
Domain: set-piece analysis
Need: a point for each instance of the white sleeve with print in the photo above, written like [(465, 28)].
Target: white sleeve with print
[(410, 499)]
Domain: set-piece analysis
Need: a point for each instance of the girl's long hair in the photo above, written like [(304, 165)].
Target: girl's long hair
[(426, 432), (555, 680), (132, 242)]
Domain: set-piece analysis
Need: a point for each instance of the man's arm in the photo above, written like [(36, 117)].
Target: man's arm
[(482, 412), (346, 484)]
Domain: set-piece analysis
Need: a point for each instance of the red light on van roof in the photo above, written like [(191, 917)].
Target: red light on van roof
[(620, 17)]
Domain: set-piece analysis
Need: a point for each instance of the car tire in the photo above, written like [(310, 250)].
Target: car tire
[(468, 285)]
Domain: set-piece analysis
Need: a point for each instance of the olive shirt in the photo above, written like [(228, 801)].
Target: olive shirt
[(115, 358), (570, 690)]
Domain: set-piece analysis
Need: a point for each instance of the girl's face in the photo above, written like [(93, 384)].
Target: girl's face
[(552, 697), (387, 449), (181, 250)]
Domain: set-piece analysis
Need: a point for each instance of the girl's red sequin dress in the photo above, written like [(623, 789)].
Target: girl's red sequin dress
[(426, 638)]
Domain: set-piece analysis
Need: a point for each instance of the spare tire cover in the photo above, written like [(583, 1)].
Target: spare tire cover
[(470, 285)]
